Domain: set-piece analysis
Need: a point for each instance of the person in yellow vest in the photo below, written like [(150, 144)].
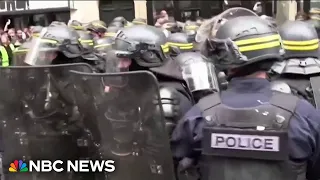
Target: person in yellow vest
[(6, 50)]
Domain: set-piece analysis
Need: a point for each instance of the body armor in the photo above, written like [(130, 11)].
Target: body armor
[(243, 144)]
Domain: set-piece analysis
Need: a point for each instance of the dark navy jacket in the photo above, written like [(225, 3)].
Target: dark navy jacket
[(304, 129)]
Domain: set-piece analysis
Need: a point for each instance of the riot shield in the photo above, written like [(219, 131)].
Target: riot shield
[(40, 120), (127, 124)]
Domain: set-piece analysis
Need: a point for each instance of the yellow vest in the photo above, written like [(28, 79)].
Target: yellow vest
[(5, 56)]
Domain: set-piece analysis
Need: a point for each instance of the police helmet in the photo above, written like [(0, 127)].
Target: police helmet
[(103, 45), (243, 41), (97, 26), (139, 21), (116, 24), (178, 43), (111, 31), (75, 25), (54, 41), (36, 31), (146, 45), (120, 19), (86, 40), (57, 23), (299, 39)]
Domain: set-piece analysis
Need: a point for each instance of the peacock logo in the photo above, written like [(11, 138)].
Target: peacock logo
[(18, 166)]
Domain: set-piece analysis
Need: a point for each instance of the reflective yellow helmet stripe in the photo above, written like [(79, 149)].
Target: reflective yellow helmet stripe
[(109, 34), (260, 43), (20, 50), (179, 44), (165, 48), (101, 45), (191, 27), (49, 41), (184, 46), (301, 45), (258, 40), (301, 48)]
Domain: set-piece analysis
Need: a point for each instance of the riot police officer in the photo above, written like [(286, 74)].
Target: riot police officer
[(52, 49), (103, 45), (111, 31), (97, 28), (75, 25), (300, 70), (145, 48), (246, 130), (179, 43), (86, 40)]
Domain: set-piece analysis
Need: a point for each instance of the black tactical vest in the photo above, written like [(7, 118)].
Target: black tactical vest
[(248, 143)]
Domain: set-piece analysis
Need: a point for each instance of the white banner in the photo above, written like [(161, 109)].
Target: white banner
[(21, 5)]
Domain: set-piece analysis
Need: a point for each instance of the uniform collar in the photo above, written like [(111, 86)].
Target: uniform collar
[(249, 85)]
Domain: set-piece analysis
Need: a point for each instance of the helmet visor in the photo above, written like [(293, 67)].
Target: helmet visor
[(200, 76), (210, 27), (42, 51)]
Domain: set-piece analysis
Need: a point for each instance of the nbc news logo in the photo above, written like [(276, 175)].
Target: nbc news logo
[(58, 166)]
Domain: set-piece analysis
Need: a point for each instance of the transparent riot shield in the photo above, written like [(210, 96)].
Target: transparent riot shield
[(209, 28), (127, 124), (40, 120)]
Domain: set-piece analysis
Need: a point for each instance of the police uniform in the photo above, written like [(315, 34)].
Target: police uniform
[(300, 69), (250, 131), (175, 97)]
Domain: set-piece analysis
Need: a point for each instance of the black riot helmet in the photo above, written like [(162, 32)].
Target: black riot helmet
[(52, 44), (244, 41), (56, 24), (116, 24), (103, 45), (36, 31), (86, 40), (111, 31), (75, 25), (178, 43), (139, 21), (120, 19), (145, 45), (97, 26), (299, 39)]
